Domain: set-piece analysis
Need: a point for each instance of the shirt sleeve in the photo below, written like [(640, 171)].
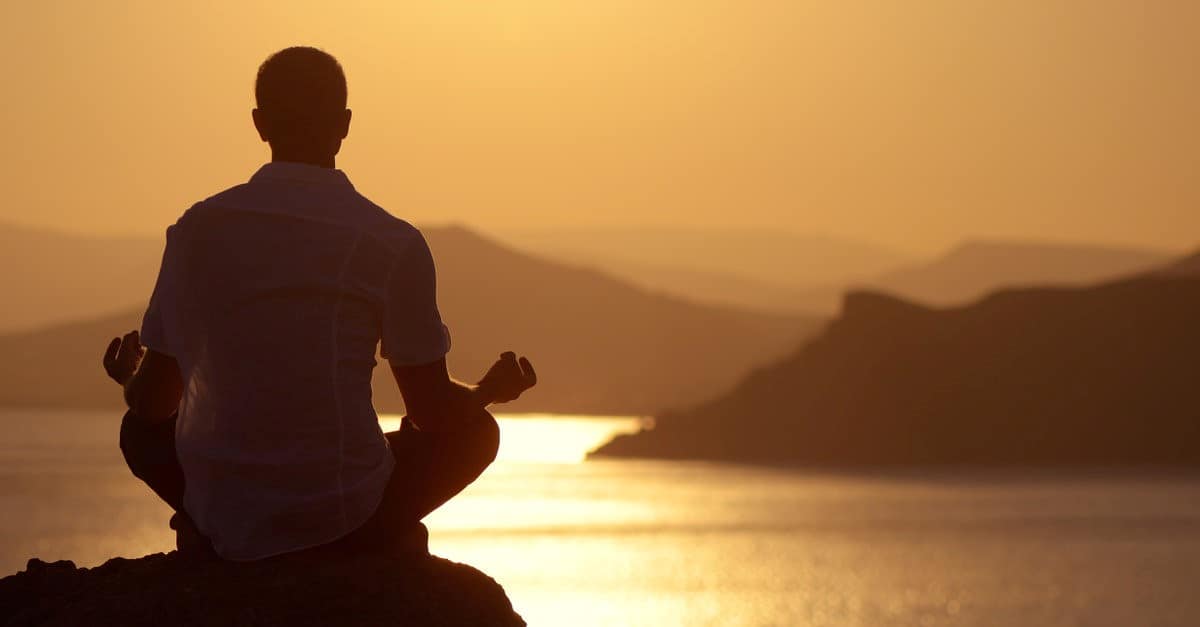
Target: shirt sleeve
[(154, 332), (413, 332)]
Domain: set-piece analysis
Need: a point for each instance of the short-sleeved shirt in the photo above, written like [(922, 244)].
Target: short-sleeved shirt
[(273, 298)]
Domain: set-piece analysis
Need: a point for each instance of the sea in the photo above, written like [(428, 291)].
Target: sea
[(614, 542)]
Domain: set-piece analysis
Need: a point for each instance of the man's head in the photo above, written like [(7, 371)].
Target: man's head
[(301, 95)]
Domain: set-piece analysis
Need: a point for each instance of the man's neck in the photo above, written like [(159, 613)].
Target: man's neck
[(322, 161)]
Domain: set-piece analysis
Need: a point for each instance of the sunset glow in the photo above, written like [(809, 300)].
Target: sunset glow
[(811, 313), (1024, 119)]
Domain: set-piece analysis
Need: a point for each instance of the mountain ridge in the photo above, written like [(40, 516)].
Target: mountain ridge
[(50, 276), (702, 266), (600, 345), (978, 266), (1068, 375), (772, 256)]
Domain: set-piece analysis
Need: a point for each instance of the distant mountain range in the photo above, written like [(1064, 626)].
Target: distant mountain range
[(972, 270), (1101, 375), (1188, 266), (716, 288), (600, 344), (773, 257), (48, 277), (783, 272)]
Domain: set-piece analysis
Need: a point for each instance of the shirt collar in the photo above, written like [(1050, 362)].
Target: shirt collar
[(302, 172)]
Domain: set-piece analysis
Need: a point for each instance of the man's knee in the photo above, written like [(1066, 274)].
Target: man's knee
[(483, 440), (146, 446), (149, 450), (133, 445)]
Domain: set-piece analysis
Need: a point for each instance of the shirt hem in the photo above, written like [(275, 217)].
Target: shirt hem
[(334, 538)]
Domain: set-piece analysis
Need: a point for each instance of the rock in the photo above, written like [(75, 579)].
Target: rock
[(308, 588)]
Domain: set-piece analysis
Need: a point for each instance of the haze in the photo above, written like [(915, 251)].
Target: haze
[(913, 124)]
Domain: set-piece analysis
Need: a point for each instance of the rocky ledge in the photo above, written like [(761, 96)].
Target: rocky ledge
[(300, 589)]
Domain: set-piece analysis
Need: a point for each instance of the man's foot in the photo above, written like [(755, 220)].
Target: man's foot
[(188, 539), (403, 541), (409, 541)]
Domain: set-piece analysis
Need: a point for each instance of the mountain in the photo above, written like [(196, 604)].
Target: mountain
[(599, 344), (1188, 266), (772, 257), (973, 269), (50, 277), (1099, 376), (712, 287), (784, 272)]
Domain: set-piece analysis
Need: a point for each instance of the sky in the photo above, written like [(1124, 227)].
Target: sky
[(910, 124)]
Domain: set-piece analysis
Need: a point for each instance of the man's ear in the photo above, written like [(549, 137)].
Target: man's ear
[(344, 130), (260, 123)]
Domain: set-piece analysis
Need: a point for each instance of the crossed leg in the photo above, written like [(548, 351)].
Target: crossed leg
[(431, 468)]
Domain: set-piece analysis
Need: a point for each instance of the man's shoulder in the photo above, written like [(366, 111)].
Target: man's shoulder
[(225, 198), (338, 206), (231, 197), (380, 224), (346, 207), (230, 193)]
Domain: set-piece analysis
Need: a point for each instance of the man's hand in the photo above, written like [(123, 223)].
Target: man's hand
[(122, 357), (506, 380)]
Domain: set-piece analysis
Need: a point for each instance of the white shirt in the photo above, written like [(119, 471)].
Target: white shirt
[(273, 297)]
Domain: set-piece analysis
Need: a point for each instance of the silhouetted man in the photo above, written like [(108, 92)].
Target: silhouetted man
[(250, 413)]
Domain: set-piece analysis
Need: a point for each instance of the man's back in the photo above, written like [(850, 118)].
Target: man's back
[(273, 298), (250, 400)]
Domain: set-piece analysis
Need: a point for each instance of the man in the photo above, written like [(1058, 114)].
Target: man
[(250, 404)]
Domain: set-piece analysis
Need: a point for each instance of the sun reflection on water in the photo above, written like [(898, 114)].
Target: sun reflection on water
[(547, 438)]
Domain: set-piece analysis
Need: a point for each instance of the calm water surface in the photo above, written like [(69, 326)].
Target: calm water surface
[(666, 543)]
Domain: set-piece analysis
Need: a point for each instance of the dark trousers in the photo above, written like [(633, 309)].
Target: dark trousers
[(431, 467)]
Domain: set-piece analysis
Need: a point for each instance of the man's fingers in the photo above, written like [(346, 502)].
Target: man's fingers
[(129, 346), (527, 370), (110, 353), (510, 376), (123, 352)]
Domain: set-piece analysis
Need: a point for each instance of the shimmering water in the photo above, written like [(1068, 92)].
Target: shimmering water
[(666, 543)]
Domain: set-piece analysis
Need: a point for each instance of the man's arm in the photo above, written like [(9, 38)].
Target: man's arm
[(415, 341), (151, 380), (436, 401)]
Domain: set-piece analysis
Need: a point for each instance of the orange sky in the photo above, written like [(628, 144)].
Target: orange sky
[(908, 123)]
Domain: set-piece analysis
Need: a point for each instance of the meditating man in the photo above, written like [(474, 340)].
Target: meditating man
[(250, 404)]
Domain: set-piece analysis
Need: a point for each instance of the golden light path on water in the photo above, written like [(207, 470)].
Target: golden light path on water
[(541, 520), (534, 448), (548, 437)]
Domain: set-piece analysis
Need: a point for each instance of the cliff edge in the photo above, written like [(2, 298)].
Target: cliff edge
[(300, 589)]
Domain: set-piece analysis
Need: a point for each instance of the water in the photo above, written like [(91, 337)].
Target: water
[(667, 543)]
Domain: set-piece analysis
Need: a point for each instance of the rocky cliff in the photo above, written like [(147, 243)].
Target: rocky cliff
[(302, 589), (1103, 375)]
